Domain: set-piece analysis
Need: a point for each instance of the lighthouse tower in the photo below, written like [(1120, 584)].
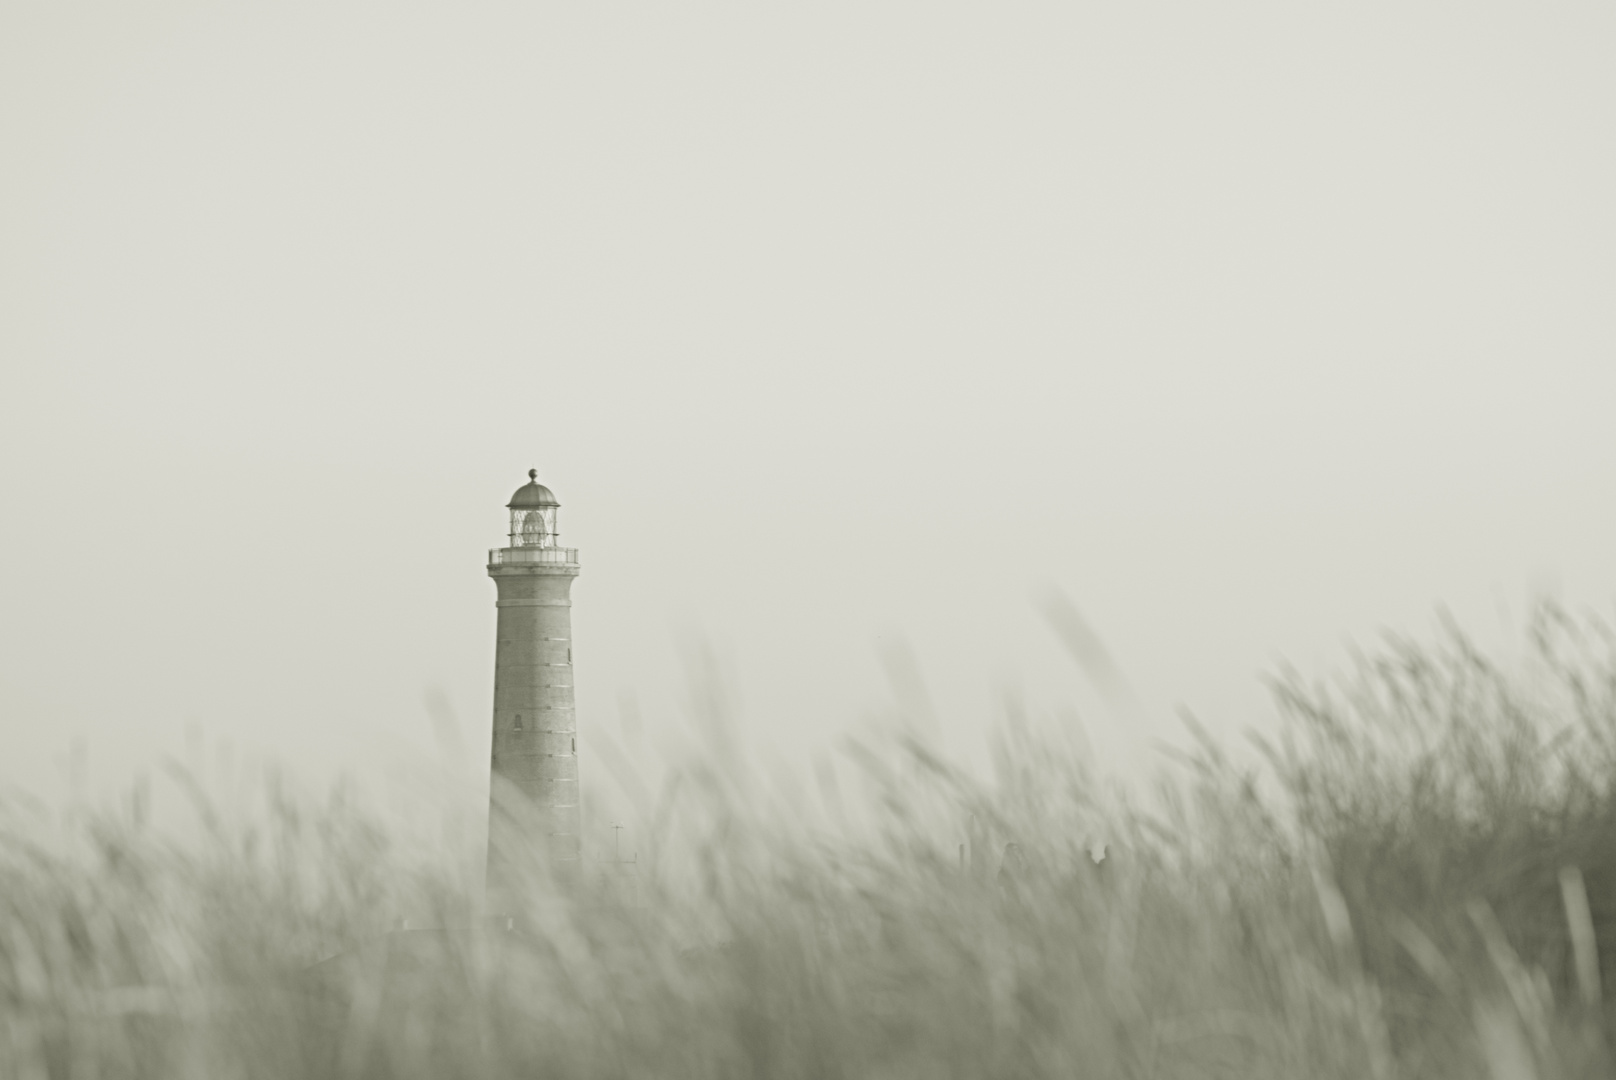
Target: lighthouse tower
[(533, 819)]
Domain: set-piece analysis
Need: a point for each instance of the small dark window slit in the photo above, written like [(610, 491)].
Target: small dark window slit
[(518, 722), (575, 745)]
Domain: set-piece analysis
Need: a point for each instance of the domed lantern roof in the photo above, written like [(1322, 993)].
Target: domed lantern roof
[(532, 495)]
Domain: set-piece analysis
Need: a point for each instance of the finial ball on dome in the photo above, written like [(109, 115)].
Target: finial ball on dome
[(532, 495)]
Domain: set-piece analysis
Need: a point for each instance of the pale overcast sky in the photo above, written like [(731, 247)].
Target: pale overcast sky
[(1254, 327)]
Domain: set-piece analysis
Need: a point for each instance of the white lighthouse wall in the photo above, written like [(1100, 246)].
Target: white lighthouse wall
[(534, 810)]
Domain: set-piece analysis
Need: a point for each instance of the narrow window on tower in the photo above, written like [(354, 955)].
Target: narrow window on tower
[(575, 744), (518, 722)]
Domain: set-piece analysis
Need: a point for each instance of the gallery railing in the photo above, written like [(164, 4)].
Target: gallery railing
[(520, 556)]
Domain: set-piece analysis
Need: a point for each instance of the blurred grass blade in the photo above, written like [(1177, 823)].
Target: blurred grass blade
[(1503, 1047), (1584, 947), (1529, 1004)]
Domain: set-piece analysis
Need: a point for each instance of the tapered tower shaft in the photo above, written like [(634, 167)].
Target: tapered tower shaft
[(533, 819)]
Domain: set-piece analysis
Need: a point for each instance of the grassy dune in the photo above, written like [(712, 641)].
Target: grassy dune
[(1419, 882)]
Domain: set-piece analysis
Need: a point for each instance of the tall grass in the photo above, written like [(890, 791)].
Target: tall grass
[(1418, 882)]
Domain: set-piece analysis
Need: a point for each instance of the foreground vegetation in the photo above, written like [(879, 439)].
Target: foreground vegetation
[(1418, 881)]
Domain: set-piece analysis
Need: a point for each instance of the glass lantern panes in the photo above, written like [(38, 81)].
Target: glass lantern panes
[(533, 528)]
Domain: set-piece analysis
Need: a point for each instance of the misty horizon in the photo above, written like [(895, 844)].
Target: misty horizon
[(844, 336)]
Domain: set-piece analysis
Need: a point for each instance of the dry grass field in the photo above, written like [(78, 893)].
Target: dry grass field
[(1418, 881)]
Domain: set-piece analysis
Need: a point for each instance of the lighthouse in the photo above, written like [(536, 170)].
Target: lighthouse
[(533, 818)]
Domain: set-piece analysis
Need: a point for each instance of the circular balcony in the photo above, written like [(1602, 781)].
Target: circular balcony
[(530, 556)]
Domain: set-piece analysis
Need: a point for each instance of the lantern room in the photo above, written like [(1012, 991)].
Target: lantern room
[(533, 514)]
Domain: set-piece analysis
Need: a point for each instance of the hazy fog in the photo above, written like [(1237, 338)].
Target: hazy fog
[(1254, 327)]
